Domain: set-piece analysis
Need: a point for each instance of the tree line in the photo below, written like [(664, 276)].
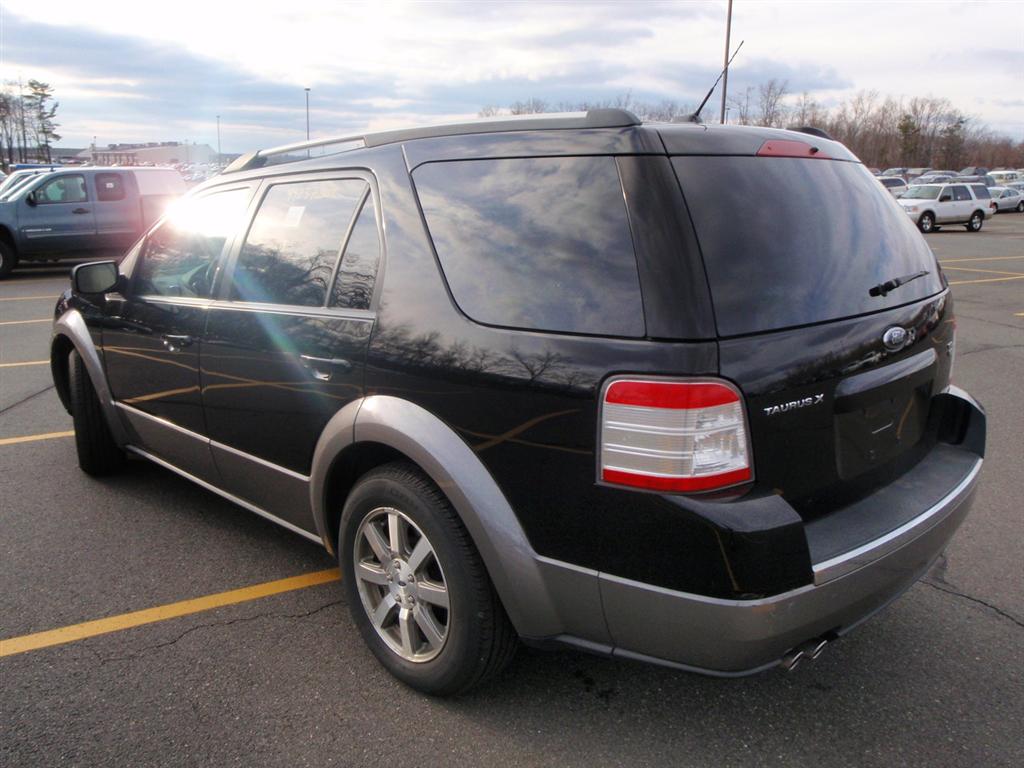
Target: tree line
[(28, 125), (922, 131)]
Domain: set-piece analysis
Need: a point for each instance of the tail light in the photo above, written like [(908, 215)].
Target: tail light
[(667, 435)]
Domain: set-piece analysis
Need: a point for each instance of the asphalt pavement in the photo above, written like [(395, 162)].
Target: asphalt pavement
[(935, 680)]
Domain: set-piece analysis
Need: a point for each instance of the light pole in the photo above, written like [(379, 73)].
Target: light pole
[(725, 77), (307, 114), (218, 141)]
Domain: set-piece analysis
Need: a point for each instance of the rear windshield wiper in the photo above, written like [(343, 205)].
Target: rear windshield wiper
[(891, 285)]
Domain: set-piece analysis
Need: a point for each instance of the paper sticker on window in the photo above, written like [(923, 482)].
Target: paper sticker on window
[(294, 215)]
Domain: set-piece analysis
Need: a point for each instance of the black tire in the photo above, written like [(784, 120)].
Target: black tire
[(1020, 207), (926, 223), (479, 640), (98, 454), (8, 259), (976, 221)]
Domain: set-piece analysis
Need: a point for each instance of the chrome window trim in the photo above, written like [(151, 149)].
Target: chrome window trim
[(291, 309), (840, 565)]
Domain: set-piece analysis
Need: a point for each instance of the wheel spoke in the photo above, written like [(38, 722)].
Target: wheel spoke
[(372, 573), (405, 629), (427, 623), (377, 542), (380, 615), (419, 554), (397, 534), (433, 593)]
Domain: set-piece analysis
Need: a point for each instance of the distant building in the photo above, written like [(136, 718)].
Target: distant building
[(153, 153)]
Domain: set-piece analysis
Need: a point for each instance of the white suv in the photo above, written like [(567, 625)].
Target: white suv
[(932, 204)]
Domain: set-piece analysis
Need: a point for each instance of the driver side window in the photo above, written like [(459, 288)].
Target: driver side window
[(180, 256)]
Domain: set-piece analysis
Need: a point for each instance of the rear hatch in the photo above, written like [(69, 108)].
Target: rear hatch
[(831, 311)]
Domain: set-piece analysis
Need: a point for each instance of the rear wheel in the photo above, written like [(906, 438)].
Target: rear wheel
[(98, 454), (926, 223), (1020, 207), (977, 219), (416, 586), (8, 259)]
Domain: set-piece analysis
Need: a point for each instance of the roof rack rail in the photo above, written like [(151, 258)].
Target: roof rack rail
[(594, 118)]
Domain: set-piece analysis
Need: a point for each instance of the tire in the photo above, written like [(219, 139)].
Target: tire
[(98, 454), (976, 221), (8, 259), (436, 650), (926, 223), (1020, 207)]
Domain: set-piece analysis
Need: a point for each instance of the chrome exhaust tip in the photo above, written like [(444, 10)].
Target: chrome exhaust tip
[(812, 649)]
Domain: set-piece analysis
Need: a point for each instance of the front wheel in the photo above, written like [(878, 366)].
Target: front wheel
[(926, 223), (8, 259), (977, 219), (416, 586), (1020, 207), (98, 454)]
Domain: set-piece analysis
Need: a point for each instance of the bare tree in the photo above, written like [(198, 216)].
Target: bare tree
[(771, 109)]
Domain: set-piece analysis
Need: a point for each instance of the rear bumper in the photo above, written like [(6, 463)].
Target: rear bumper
[(737, 637)]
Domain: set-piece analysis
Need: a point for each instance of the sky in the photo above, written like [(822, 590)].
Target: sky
[(131, 71)]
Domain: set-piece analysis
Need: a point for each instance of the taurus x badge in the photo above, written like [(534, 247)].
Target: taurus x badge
[(792, 405), (896, 338)]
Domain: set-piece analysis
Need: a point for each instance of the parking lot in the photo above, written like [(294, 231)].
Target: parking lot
[(231, 664)]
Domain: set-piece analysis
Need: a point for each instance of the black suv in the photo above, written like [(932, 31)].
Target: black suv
[(634, 389)]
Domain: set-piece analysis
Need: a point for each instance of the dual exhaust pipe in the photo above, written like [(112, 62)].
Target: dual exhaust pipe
[(811, 649)]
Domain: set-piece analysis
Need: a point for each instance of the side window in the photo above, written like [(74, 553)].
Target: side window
[(109, 187), (357, 272), (961, 193), (63, 189), (981, 192), (292, 246), (537, 243), (179, 257)]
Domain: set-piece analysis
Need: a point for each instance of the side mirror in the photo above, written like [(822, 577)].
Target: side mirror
[(30, 198), (945, 198), (97, 277)]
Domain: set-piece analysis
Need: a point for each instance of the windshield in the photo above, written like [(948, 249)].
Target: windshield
[(922, 192), (777, 258), (17, 185)]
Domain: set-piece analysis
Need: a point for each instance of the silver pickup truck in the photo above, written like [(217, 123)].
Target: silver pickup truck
[(80, 211)]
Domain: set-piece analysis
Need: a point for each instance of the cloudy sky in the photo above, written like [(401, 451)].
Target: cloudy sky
[(138, 71)]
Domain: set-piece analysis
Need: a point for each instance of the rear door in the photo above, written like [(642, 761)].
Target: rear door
[(837, 369), (62, 219), (285, 345), (118, 216), (963, 203)]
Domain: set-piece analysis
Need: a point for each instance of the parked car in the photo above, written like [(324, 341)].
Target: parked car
[(929, 205), (932, 178), (913, 173), (62, 213), (1002, 178), (987, 180), (17, 178), (973, 170), (894, 171), (894, 184), (596, 384), (1008, 199)]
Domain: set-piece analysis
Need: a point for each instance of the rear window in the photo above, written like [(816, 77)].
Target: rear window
[(538, 243), (789, 241)]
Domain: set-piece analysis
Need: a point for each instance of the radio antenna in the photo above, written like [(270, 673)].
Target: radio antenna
[(695, 117)]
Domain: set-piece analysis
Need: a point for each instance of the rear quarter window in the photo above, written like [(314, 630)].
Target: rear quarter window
[(535, 243)]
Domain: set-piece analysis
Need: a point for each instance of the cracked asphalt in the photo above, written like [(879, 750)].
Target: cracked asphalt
[(935, 680)]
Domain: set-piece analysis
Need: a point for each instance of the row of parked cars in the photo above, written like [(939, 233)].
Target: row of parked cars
[(936, 197)]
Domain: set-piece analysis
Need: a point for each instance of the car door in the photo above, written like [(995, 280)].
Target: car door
[(57, 216), (118, 214), (963, 203), (285, 344), (153, 331)]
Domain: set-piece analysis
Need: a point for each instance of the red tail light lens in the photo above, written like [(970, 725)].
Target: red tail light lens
[(673, 435)]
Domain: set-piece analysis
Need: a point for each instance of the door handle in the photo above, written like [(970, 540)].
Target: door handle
[(174, 343), (80, 210), (323, 368)]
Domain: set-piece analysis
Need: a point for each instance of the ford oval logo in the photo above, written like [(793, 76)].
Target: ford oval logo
[(895, 338)]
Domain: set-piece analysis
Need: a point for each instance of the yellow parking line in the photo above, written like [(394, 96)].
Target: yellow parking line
[(123, 621), (982, 258), (986, 280), (989, 271), (29, 298), (33, 438), (28, 362), (25, 322)]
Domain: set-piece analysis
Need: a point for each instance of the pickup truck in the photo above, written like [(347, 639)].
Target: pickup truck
[(81, 211)]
